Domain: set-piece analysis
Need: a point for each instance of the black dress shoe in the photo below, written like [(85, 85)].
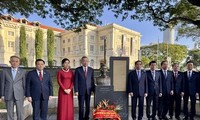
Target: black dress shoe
[(185, 118), (154, 118), (165, 118), (171, 117), (178, 118)]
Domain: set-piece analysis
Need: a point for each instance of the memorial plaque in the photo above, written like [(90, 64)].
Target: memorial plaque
[(119, 75), (119, 68)]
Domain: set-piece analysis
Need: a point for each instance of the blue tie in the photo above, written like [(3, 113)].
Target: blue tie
[(14, 73), (139, 75)]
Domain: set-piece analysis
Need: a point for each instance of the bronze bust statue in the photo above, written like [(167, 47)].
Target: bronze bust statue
[(103, 79)]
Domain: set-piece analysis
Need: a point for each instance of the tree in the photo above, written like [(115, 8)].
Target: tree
[(22, 47), (39, 44), (76, 13), (50, 47), (158, 52), (145, 61), (195, 56)]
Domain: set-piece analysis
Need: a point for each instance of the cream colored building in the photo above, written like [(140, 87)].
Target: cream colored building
[(120, 41), (90, 42), (9, 39)]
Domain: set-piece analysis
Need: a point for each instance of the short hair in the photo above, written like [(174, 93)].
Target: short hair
[(138, 62), (163, 62), (84, 57), (174, 64), (190, 61), (65, 59), (14, 56), (37, 60), (152, 62)]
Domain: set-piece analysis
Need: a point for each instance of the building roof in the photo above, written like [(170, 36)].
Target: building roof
[(16, 20)]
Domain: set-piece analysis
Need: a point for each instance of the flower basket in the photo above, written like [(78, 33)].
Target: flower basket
[(105, 111)]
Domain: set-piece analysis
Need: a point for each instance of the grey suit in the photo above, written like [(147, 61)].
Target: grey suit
[(13, 92)]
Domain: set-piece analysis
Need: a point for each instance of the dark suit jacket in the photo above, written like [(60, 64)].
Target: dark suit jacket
[(84, 85), (167, 83), (154, 86), (10, 87), (178, 83), (191, 85), (35, 87), (137, 87)]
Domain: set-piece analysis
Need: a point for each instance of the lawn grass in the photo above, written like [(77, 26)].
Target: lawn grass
[(2, 105)]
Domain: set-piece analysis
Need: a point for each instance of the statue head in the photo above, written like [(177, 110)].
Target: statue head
[(103, 69)]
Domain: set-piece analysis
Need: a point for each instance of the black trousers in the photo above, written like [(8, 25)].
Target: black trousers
[(40, 109), (192, 103), (175, 99), (149, 100), (81, 99), (163, 105), (140, 105)]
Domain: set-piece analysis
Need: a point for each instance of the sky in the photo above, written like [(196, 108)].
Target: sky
[(150, 33)]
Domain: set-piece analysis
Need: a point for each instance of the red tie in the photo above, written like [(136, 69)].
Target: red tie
[(85, 70), (40, 75)]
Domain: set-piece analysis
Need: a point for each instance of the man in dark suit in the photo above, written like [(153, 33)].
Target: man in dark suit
[(137, 89), (178, 92), (13, 88), (167, 90), (84, 86), (39, 90), (154, 90), (191, 87)]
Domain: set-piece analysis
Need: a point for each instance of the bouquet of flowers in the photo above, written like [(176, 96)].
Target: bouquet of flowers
[(106, 111)]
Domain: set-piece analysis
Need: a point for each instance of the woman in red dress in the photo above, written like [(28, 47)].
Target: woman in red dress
[(65, 80)]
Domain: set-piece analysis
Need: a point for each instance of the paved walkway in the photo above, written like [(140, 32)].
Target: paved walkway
[(52, 115)]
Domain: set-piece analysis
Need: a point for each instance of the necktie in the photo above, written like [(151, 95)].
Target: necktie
[(153, 74), (14, 73), (40, 75), (175, 75), (138, 74), (189, 75), (85, 71), (165, 74)]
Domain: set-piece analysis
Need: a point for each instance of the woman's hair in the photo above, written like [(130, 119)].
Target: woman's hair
[(65, 59)]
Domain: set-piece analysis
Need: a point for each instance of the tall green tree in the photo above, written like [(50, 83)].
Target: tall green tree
[(76, 13), (158, 52), (22, 47), (50, 47), (39, 43), (195, 56)]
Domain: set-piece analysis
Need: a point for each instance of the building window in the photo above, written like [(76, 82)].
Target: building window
[(69, 40), (80, 47), (91, 37), (101, 48), (80, 37), (131, 46), (74, 49), (74, 39), (92, 63), (63, 51), (91, 48), (68, 49), (11, 45), (63, 41), (74, 63), (102, 37), (10, 33)]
